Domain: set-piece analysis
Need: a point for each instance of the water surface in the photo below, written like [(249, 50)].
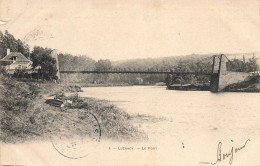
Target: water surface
[(194, 110)]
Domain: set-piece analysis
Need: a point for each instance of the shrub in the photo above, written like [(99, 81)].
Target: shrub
[(3, 70), (20, 73)]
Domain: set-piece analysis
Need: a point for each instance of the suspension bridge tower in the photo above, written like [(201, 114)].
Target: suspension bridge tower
[(221, 77)]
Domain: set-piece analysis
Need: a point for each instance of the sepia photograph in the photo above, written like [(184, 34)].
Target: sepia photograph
[(130, 82)]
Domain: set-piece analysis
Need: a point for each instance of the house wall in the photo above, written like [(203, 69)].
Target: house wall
[(19, 65)]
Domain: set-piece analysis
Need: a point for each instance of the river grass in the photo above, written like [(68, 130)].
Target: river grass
[(25, 115)]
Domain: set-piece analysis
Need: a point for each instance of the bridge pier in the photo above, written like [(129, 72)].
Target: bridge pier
[(54, 54), (220, 77)]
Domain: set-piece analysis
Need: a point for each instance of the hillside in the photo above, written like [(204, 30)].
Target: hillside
[(172, 61), (163, 62)]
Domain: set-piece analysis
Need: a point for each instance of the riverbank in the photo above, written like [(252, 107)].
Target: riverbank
[(250, 85), (112, 84), (189, 87), (25, 115)]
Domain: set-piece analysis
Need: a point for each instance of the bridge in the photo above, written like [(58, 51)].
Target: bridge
[(135, 72), (219, 76)]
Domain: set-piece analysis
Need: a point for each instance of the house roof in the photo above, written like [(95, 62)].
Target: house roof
[(19, 57)]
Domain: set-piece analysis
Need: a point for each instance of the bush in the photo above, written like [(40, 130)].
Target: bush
[(3, 71), (20, 73)]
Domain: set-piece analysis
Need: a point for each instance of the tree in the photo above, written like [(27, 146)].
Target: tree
[(23, 48), (242, 65), (102, 65), (7, 40), (2, 45), (252, 64), (10, 41), (44, 63)]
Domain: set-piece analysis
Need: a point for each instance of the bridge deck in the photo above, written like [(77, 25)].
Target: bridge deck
[(137, 72)]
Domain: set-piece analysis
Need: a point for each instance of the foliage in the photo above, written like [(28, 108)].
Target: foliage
[(243, 65), (3, 70), (20, 73), (69, 62), (7, 40), (102, 65), (44, 63)]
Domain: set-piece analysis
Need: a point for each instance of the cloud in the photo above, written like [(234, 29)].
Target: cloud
[(2, 22)]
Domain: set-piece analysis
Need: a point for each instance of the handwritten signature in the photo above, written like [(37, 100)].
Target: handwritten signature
[(222, 156)]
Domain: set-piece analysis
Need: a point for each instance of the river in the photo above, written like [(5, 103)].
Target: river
[(195, 120), (193, 110)]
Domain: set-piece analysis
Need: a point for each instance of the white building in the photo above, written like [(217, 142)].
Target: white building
[(15, 60)]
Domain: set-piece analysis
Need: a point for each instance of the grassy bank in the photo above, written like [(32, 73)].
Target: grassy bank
[(251, 85), (25, 116)]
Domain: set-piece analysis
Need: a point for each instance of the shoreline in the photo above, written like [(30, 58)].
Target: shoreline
[(246, 86), (83, 85), (25, 115), (29, 108)]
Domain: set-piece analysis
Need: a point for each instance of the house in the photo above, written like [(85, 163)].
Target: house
[(15, 60)]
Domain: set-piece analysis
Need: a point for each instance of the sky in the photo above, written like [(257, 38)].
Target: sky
[(128, 29)]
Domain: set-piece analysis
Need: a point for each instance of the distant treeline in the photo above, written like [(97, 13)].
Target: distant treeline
[(44, 65), (69, 62), (190, 63), (76, 63)]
